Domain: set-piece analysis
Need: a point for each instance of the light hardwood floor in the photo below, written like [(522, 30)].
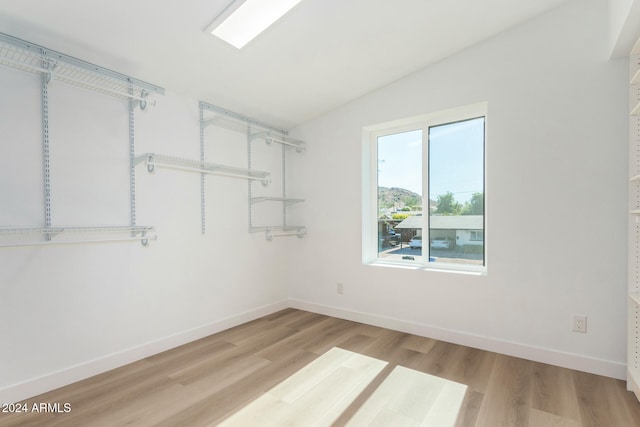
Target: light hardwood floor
[(205, 382)]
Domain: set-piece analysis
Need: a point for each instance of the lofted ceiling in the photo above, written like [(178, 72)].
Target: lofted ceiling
[(322, 54)]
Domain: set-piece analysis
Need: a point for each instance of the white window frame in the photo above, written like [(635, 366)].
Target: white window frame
[(370, 135)]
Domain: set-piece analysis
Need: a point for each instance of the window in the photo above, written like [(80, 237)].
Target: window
[(424, 191), (477, 236)]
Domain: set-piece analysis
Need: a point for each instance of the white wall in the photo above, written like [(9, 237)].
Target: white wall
[(556, 199), (67, 312), (624, 30)]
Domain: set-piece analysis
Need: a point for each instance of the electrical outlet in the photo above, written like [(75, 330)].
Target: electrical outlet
[(580, 324), (340, 289)]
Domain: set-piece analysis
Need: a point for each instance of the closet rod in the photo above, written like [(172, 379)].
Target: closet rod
[(282, 234), (206, 172), (296, 144), (143, 239), (154, 161), (269, 138)]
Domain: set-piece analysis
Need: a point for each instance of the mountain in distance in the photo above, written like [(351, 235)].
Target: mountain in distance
[(398, 198)]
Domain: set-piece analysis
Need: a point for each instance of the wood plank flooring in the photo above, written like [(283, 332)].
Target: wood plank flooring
[(206, 382), (316, 395), (413, 399)]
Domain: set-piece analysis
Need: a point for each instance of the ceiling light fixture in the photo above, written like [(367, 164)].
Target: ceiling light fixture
[(242, 20)]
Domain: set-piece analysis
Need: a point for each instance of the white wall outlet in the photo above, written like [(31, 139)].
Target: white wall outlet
[(579, 323), (340, 289)]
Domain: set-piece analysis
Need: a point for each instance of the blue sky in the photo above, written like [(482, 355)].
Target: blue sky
[(455, 157)]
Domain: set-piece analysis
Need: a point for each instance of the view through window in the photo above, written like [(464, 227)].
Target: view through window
[(400, 195), (456, 192), (430, 194)]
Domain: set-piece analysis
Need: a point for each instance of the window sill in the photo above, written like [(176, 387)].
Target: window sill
[(442, 268)]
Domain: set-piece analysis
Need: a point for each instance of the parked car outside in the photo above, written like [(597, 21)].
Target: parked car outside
[(440, 243), (392, 238), (415, 242)]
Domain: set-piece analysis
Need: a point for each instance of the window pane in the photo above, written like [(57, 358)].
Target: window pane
[(400, 196), (456, 192)]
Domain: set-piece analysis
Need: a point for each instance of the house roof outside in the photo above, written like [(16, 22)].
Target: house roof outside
[(446, 222)]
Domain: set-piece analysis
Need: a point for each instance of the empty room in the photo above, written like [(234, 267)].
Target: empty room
[(320, 213)]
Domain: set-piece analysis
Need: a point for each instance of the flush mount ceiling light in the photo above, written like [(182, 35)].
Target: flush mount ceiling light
[(242, 20)]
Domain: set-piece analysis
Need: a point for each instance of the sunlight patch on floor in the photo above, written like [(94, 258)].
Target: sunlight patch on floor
[(316, 395), (411, 398), (319, 393)]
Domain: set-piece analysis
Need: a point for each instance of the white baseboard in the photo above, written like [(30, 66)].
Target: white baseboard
[(36, 386), (538, 354), (17, 392)]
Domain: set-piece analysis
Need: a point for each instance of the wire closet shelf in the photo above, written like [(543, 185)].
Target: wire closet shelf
[(28, 236), (256, 130), (154, 161), (266, 132), (32, 58), (51, 65)]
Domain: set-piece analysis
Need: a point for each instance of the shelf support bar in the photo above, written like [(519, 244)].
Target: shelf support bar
[(202, 188), (44, 85), (284, 186), (132, 159), (249, 186)]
